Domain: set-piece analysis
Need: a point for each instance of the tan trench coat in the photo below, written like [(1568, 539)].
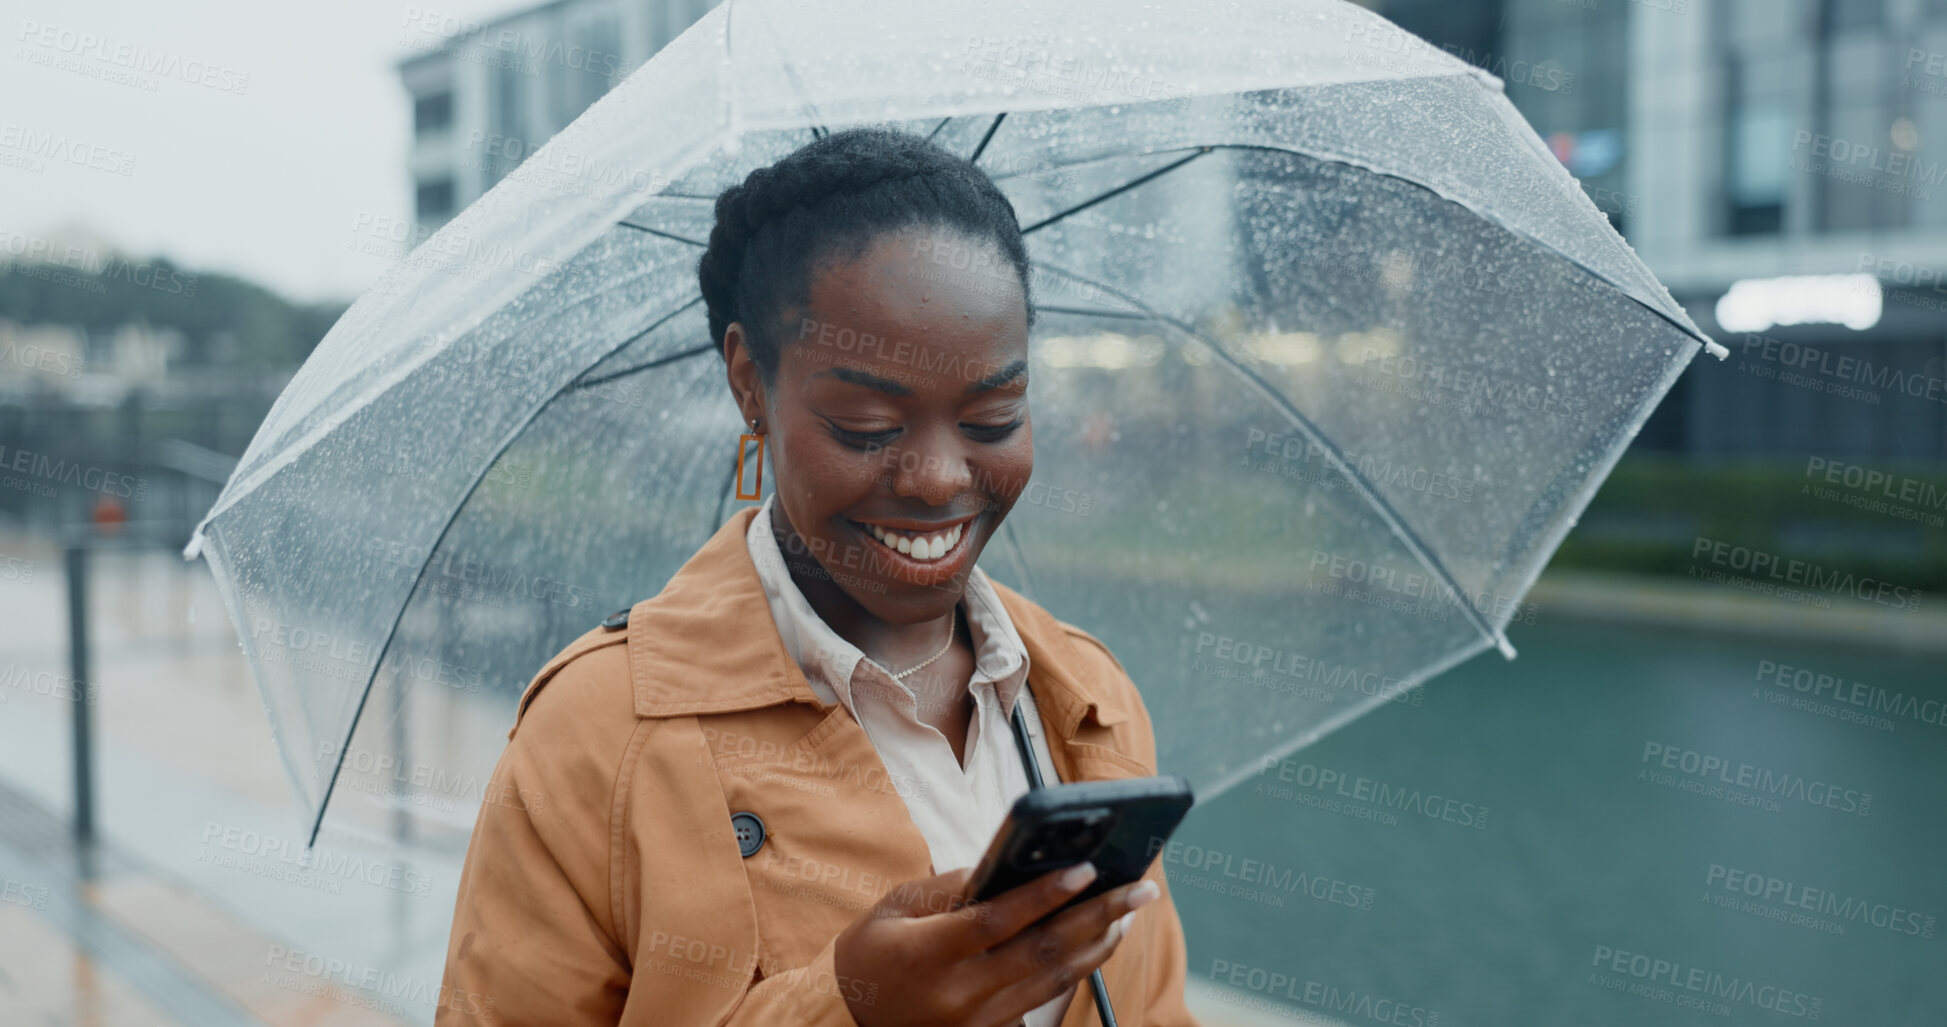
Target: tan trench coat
[(604, 883)]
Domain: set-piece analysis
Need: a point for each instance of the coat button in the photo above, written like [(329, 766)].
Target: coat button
[(750, 833), (616, 621)]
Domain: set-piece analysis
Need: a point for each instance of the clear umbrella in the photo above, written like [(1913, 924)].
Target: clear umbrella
[(1331, 353)]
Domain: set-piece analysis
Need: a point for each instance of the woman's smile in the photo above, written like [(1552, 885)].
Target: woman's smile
[(924, 553)]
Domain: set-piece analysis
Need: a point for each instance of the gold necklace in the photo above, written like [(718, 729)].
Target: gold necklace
[(949, 644)]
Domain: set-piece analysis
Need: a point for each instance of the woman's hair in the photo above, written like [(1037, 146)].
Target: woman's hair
[(832, 197)]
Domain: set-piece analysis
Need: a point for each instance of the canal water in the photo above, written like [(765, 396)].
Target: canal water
[(1624, 826)]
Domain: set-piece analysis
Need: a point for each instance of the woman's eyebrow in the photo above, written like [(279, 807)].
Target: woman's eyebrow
[(856, 376), (867, 379), (998, 378)]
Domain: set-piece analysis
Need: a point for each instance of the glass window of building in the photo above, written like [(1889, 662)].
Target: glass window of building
[(506, 151), (1862, 162), (432, 112), (433, 201)]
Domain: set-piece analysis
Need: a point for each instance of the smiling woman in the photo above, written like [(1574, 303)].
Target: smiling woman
[(752, 818)]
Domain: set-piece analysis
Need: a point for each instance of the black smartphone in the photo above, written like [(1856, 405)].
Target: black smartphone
[(1120, 826)]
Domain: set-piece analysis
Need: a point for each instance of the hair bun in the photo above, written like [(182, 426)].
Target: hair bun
[(862, 169)]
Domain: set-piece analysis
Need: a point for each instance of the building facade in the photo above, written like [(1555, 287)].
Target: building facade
[(486, 95), (1781, 165)]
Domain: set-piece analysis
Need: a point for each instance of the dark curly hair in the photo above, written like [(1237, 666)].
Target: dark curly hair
[(832, 197)]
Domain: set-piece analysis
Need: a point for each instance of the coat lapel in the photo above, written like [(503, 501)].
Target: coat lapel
[(839, 834)]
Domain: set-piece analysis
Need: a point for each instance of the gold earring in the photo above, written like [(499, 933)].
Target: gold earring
[(757, 486)]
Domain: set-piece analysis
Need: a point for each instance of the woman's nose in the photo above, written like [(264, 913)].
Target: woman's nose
[(933, 475)]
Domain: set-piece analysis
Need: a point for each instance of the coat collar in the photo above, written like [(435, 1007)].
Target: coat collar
[(707, 644)]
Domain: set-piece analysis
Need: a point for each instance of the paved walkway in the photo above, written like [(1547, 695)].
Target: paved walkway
[(168, 920)]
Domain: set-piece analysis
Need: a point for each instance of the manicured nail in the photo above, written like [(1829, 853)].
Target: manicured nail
[(1078, 876), (1143, 894), (1121, 926)]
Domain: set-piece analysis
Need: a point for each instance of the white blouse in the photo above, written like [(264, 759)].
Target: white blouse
[(957, 807)]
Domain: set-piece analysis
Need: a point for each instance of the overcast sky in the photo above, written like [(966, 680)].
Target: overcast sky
[(281, 123)]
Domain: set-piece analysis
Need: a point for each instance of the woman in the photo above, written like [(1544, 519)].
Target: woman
[(755, 799)]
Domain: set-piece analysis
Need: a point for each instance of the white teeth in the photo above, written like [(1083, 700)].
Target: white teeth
[(926, 548)]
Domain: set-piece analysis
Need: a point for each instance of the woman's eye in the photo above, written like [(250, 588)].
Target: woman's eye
[(862, 439), (993, 432)]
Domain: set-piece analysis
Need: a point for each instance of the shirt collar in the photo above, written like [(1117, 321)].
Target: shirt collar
[(830, 662), (707, 643)]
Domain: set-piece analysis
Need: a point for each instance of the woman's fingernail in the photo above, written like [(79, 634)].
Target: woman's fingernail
[(1143, 894), (1078, 876), (1121, 928)]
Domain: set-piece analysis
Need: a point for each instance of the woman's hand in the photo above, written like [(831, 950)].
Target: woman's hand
[(936, 961)]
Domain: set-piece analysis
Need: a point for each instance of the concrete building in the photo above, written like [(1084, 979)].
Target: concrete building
[(1787, 158), (1791, 159), (486, 95)]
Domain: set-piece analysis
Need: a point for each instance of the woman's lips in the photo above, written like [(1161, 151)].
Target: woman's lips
[(922, 546), (943, 565)]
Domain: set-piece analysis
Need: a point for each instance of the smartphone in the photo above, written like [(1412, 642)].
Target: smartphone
[(1120, 826)]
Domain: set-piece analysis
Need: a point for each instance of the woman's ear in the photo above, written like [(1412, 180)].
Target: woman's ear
[(746, 383)]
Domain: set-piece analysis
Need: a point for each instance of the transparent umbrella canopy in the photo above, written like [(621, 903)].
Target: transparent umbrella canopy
[(1330, 354)]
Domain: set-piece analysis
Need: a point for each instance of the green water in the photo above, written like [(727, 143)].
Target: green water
[(1564, 879)]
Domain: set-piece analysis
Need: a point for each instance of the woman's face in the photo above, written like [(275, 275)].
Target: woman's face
[(900, 412)]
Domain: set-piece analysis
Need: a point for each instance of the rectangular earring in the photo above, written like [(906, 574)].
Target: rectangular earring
[(756, 486)]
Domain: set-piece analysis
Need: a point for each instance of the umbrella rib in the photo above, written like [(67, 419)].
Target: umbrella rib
[(578, 385), (626, 223), (1090, 312), (1698, 337), (991, 129), (324, 800), (1393, 518), (1118, 190), (938, 127)]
